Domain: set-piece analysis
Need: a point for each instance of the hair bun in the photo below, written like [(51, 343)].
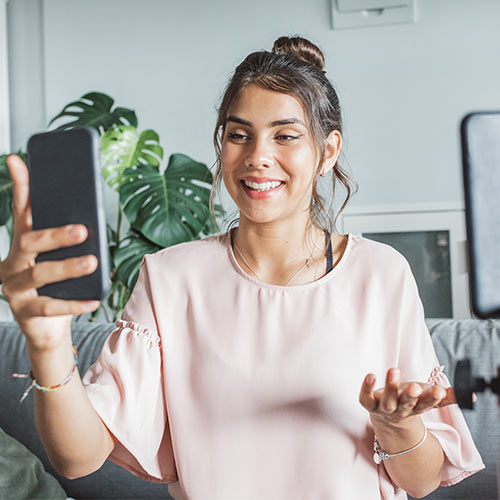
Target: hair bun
[(301, 48)]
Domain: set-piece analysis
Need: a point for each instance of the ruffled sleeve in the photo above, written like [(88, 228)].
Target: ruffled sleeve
[(418, 362), (125, 386)]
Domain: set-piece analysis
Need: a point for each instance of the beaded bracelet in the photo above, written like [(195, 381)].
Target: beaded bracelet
[(42, 388)]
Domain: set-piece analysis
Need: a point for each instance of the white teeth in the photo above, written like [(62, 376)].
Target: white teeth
[(264, 186)]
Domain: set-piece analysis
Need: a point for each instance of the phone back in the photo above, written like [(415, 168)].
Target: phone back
[(480, 134), (66, 188)]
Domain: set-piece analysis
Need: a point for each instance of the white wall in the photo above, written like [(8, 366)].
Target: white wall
[(4, 81), (26, 71), (404, 88)]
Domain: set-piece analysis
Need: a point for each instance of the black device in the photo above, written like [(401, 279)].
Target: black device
[(480, 134), (66, 188), (480, 139)]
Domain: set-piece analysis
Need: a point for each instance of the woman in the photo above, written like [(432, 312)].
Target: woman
[(244, 365)]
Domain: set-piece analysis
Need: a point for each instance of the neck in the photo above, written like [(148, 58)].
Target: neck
[(274, 251)]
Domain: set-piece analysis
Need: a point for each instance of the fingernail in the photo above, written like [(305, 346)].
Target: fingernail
[(394, 376), (370, 379), (73, 231), (84, 263), (90, 306)]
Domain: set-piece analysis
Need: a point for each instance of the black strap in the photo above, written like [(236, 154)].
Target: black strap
[(329, 254)]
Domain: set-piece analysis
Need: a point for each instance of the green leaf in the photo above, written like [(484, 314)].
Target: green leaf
[(129, 255), (169, 208), (6, 191), (94, 110), (122, 147), (112, 246)]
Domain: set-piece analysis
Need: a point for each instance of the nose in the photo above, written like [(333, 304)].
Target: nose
[(259, 155)]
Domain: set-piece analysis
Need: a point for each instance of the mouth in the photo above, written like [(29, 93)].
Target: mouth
[(261, 186)]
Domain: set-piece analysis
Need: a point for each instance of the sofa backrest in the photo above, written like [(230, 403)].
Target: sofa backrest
[(478, 340), (453, 340), (17, 420)]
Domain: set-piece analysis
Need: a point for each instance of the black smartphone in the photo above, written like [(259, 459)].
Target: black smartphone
[(66, 188), (480, 137)]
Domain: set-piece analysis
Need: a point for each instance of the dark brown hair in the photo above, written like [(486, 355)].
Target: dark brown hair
[(294, 67)]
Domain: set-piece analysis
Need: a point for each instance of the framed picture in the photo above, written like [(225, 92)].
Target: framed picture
[(433, 240)]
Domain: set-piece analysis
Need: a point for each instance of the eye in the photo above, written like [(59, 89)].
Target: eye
[(237, 137), (287, 137)]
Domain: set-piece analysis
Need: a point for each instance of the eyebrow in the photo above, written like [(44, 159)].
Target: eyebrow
[(276, 123)]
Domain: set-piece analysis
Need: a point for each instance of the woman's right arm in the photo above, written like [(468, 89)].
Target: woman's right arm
[(76, 440)]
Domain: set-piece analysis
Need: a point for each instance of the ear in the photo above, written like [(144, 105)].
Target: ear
[(332, 151)]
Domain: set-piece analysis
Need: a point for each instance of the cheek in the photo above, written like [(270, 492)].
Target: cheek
[(227, 176), (228, 158), (301, 165)]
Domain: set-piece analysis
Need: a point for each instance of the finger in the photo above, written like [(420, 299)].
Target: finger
[(47, 306), (389, 399), (21, 201), (408, 398), (449, 399), (43, 240), (366, 397), (430, 398), (49, 272)]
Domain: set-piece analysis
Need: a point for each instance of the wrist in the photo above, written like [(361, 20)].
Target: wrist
[(49, 364), (49, 368), (49, 344), (394, 426), (394, 437), (48, 350)]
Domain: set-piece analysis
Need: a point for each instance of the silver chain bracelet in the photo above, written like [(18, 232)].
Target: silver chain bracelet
[(381, 455)]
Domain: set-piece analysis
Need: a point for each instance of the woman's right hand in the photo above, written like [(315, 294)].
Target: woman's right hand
[(43, 320)]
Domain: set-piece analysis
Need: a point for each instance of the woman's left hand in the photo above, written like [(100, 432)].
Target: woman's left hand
[(397, 401)]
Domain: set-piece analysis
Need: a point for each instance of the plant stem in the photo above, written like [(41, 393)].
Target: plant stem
[(119, 226), (122, 297), (105, 313)]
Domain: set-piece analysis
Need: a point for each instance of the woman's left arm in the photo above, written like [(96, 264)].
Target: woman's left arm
[(395, 415)]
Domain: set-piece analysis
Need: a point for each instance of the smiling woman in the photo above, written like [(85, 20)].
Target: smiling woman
[(309, 94), (244, 365)]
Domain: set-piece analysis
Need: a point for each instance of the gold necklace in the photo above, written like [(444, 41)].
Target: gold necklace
[(307, 263)]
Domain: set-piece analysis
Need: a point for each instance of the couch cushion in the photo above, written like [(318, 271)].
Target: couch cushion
[(17, 419), (480, 341), (453, 340)]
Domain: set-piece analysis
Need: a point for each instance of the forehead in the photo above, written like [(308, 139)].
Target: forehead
[(256, 104)]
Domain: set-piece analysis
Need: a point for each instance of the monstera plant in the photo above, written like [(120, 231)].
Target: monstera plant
[(163, 206)]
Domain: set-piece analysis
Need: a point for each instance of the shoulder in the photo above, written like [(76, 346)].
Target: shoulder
[(191, 253), (378, 257)]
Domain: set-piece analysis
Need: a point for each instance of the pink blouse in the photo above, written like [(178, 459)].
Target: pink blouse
[(228, 388)]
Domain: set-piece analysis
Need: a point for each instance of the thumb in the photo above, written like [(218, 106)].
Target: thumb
[(21, 191)]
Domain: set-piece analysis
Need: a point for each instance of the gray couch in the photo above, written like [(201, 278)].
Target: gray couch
[(479, 340), (17, 420)]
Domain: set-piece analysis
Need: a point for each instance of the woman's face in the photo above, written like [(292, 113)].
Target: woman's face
[(268, 156)]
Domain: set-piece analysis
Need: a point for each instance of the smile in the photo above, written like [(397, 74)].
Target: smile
[(262, 186)]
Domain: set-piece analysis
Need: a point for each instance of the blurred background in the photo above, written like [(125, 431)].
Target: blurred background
[(403, 86)]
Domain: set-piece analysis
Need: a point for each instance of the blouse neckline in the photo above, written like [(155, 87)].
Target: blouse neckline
[(304, 286)]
